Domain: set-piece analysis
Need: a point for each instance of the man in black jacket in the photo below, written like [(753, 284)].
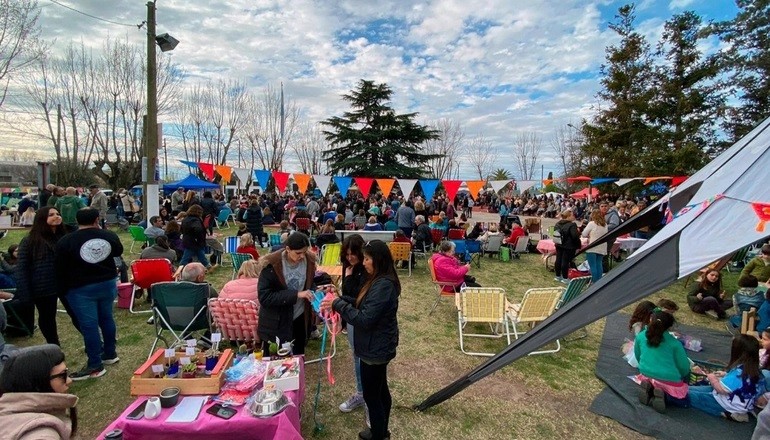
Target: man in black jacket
[(85, 268)]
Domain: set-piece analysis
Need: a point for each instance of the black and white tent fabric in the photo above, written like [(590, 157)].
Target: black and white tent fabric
[(715, 212)]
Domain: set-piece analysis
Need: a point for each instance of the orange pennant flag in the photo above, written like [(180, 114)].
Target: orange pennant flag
[(649, 180), (763, 212), (225, 171), (302, 181), (474, 186), (386, 185)]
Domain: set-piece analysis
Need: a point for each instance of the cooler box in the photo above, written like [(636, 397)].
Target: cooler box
[(124, 295)]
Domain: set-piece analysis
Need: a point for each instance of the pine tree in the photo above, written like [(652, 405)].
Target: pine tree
[(687, 102), (748, 38), (617, 137), (373, 141)]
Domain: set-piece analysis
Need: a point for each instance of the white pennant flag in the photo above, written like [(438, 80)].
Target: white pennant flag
[(322, 182), (524, 185), (498, 185), (622, 182), (243, 175), (407, 185)]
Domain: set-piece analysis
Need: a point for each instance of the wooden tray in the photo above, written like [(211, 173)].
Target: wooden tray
[(144, 384)]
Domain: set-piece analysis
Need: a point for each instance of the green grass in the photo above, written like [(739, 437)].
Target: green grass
[(544, 396)]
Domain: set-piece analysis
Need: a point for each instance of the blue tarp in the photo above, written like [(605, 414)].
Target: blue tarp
[(189, 182)]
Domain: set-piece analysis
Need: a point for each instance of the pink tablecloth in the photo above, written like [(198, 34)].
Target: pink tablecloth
[(284, 425), (547, 247)]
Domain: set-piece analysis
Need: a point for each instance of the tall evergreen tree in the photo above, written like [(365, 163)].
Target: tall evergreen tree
[(372, 140), (617, 137), (688, 100), (748, 56)]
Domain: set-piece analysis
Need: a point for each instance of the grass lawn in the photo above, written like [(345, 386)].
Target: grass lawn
[(545, 396)]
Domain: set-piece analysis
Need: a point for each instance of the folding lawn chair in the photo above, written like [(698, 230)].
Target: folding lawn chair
[(238, 260), (303, 225), (437, 235), (738, 260), (275, 239), (461, 250), (493, 245), (181, 308), (137, 236), (230, 245), (401, 252), (145, 274), (236, 319), (456, 234), (474, 251), (443, 288), (482, 305), (575, 287), (330, 254), (536, 306), (223, 218), (14, 310), (521, 246)]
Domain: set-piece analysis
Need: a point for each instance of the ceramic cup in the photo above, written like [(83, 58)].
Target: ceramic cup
[(152, 409)]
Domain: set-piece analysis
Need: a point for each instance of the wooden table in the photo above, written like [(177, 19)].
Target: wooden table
[(335, 272)]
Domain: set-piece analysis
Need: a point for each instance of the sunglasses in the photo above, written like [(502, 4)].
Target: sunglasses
[(63, 375)]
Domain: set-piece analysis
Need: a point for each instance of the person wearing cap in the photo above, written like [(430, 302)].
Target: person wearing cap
[(35, 402), (759, 266)]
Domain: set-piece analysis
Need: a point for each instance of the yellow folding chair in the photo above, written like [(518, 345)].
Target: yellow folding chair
[(482, 305), (535, 307), (401, 252)]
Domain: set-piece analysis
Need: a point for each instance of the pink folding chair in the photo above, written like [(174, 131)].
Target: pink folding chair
[(236, 319)]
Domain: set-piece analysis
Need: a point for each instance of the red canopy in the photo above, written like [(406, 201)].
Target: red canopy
[(583, 193)]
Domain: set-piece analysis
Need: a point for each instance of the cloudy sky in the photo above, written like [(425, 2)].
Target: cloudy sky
[(499, 67)]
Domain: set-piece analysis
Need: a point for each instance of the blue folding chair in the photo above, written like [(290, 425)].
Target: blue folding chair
[(474, 251), (231, 245), (461, 250)]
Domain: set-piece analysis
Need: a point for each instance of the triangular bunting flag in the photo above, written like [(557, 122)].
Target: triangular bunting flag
[(208, 169), (322, 182), (386, 185), (242, 174), (407, 186), (343, 183), (474, 186), (524, 185), (763, 212), (622, 182), (649, 180), (301, 180), (364, 185), (676, 180), (451, 187), (262, 176), (428, 187), (498, 185), (281, 179), (225, 171), (190, 164)]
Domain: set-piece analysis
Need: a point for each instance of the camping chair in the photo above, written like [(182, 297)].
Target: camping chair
[(181, 308), (456, 234), (236, 319), (443, 288), (749, 323), (330, 254), (401, 252), (493, 244), (738, 260), (137, 236), (146, 273), (482, 305), (536, 306), (461, 250), (521, 246), (437, 235), (275, 239), (223, 218), (474, 251), (15, 323), (238, 260)]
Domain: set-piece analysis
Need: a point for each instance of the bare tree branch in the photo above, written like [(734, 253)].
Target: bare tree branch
[(309, 147), (482, 155), (448, 144), (526, 151)]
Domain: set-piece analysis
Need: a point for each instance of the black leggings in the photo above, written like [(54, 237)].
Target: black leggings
[(46, 319), (563, 258), (374, 380)]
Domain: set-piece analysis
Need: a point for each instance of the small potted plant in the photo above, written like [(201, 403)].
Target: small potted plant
[(188, 371), (173, 370), (212, 357)]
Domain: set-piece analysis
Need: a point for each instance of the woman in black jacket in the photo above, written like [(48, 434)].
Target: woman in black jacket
[(353, 279), (35, 275), (253, 219), (194, 237), (570, 243), (373, 315)]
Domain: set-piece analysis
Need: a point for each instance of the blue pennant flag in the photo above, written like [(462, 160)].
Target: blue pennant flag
[(343, 183), (262, 176), (190, 164), (428, 188)]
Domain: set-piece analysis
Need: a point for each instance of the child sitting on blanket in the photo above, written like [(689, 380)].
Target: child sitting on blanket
[(732, 394), (638, 321), (746, 298), (663, 364)]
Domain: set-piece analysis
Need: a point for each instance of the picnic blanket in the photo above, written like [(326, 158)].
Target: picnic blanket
[(620, 401)]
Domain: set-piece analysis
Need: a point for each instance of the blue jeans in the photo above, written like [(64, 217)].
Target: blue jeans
[(356, 362), (595, 263), (199, 253), (92, 305), (701, 398)]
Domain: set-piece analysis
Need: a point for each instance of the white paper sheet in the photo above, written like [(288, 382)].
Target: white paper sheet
[(187, 410)]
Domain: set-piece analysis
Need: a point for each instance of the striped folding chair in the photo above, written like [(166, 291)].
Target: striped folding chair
[(238, 260), (230, 244)]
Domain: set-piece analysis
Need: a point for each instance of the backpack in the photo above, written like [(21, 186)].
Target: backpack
[(556, 235)]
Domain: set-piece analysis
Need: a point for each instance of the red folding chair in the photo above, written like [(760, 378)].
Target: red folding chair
[(437, 235), (303, 224), (146, 273), (457, 234)]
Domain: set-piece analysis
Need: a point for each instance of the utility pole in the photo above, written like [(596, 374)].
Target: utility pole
[(151, 131)]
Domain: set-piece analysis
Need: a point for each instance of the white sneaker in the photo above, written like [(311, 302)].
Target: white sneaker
[(366, 417), (353, 402)]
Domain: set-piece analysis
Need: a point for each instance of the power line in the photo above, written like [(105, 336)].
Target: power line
[(93, 16)]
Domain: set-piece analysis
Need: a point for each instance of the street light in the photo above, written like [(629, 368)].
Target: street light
[(166, 43)]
